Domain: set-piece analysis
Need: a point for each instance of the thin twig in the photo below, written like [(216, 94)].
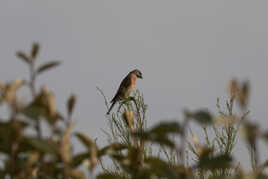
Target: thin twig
[(183, 140), (33, 92)]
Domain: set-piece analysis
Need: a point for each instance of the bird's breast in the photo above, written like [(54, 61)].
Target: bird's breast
[(133, 81)]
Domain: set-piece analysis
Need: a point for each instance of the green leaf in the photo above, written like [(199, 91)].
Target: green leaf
[(112, 148), (47, 66), (85, 140), (167, 127), (23, 57), (92, 148), (10, 131), (244, 94), (251, 133), (33, 112), (159, 133), (79, 158), (35, 50), (156, 138), (265, 164), (70, 104), (160, 167), (43, 105), (42, 145), (201, 117), (215, 162)]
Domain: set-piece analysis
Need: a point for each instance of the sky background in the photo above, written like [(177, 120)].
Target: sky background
[(187, 51)]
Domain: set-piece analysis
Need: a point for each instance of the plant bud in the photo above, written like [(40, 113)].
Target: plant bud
[(129, 119), (243, 95), (233, 88), (197, 144)]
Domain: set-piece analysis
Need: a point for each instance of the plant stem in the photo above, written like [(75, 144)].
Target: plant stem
[(33, 92), (183, 141), (139, 120)]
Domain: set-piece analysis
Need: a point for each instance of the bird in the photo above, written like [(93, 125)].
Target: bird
[(126, 87)]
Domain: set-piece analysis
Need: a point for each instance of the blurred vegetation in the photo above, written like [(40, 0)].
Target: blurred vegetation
[(169, 149)]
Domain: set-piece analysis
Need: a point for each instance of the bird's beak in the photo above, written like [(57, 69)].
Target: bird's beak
[(141, 77)]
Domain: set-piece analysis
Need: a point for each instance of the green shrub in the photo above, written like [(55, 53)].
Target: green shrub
[(136, 150)]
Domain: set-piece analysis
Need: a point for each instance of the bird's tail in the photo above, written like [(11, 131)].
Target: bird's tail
[(111, 107)]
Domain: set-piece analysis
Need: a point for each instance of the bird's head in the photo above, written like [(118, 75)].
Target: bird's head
[(137, 73)]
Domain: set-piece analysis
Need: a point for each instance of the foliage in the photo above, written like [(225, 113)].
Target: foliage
[(136, 150)]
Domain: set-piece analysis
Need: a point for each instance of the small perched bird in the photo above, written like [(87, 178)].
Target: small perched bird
[(126, 87)]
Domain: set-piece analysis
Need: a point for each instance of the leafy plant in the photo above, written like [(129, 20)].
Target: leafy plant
[(136, 150)]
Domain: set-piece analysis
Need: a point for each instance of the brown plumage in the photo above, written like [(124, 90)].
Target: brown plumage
[(126, 87)]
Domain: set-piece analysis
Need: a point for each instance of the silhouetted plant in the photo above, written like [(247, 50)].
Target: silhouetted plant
[(136, 150)]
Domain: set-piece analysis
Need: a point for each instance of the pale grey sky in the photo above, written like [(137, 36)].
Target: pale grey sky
[(186, 49)]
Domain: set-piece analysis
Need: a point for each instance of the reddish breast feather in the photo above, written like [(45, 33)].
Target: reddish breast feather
[(133, 81)]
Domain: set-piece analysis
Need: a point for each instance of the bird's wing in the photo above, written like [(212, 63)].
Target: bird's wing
[(125, 84)]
